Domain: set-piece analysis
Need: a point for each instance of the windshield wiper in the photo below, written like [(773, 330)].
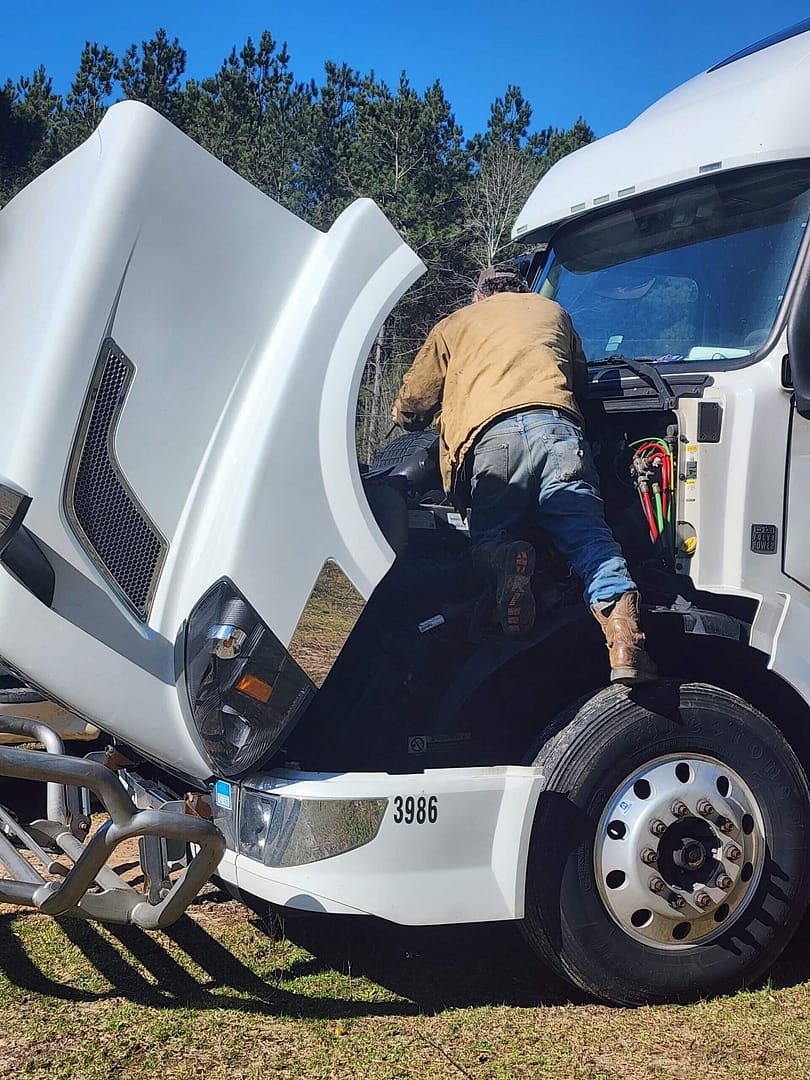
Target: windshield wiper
[(646, 370), (605, 360)]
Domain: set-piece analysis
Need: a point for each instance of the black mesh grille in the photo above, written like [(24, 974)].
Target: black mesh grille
[(113, 527)]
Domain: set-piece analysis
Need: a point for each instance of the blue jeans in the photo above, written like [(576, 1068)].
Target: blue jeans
[(537, 464)]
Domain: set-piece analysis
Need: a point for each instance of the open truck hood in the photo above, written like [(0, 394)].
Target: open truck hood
[(179, 360)]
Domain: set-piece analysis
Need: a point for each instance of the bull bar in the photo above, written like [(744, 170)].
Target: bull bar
[(113, 900)]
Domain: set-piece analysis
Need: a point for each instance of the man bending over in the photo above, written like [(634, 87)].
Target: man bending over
[(500, 377)]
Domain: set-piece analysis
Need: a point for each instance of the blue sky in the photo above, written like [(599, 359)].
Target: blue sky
[(603, 61)]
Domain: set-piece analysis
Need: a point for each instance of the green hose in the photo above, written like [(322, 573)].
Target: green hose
[(659, 511)]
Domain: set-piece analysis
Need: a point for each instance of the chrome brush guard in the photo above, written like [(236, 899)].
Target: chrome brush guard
[(88, 888)]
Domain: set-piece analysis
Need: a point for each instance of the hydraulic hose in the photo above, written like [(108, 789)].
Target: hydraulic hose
[(659, 510), (653, 459)]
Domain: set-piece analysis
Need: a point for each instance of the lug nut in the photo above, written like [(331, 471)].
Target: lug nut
[(656, 885), (732, 853), (657, 827), (724, 882), (676, 901), (680, 809), (705, 808), (649, 857), (703, 900), (727, 825)]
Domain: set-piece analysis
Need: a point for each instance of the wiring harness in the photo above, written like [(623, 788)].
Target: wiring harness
[(652, 470)]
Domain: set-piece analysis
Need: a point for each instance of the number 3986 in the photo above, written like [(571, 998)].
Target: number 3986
[(421, 810)]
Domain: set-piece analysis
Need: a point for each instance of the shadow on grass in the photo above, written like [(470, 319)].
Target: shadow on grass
[(793, 966), (435, 967), (429, 969)]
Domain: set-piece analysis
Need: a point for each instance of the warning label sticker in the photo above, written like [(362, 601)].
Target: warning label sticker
[(690, 465), (420, 744)]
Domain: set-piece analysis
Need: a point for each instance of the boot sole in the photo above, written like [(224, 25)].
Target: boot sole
[(514, 600)]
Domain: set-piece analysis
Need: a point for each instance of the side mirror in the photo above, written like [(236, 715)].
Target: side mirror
[(13, 508), (19, 551), (530, 264)]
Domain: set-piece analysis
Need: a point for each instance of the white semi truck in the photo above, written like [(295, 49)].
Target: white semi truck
[(193, 561)]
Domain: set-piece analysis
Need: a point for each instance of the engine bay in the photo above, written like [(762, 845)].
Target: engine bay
[(427, 677)]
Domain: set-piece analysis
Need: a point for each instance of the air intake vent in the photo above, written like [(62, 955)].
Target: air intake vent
[(111, 524)]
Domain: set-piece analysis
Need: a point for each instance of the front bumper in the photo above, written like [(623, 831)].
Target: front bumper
[(437, 847)]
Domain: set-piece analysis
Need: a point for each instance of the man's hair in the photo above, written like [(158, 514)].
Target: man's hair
[(502, 277)]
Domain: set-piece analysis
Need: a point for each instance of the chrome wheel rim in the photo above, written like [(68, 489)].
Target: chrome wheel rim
[(679, 851)]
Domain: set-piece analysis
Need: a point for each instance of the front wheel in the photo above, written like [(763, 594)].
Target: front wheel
[(669, 851)]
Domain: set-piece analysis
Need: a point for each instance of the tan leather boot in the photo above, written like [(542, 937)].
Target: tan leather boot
[(629, 663)]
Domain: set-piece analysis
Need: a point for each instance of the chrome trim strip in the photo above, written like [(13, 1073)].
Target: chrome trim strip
[(329, 616), (109, 353)]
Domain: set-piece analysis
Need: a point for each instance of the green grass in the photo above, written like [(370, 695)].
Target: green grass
[(224, 994)]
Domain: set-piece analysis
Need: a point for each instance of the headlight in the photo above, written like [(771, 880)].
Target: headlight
[(245, 690)]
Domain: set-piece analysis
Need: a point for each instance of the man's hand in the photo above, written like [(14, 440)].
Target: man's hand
[(411, 421)]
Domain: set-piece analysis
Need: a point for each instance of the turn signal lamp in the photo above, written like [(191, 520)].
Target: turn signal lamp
[(255, 687)]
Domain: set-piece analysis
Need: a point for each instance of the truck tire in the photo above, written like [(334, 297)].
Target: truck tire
[(669, 852)]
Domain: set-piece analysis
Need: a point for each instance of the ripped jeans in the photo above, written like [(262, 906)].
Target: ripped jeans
[(538, 465)]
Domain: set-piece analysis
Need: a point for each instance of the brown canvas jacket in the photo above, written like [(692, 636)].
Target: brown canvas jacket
[(506, 353)]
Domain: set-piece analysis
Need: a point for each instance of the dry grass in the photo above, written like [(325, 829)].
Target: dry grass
[(328, 619), (223, 995)]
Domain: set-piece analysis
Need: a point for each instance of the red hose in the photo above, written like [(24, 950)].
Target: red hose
[(665, 479), (646, 502), (663, 461)]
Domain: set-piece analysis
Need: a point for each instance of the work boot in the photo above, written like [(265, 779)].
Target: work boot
[(629, 662), (514, 600)]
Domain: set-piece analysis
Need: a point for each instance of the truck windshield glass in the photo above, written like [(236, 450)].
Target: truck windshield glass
[(696, 273)]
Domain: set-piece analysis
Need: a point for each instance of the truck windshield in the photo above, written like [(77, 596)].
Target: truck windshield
[(693, 273)]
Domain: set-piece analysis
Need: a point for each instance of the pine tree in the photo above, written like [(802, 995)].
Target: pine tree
[(89, 96), (28, 114), (316, 148), (257, 118), (153, 73)]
